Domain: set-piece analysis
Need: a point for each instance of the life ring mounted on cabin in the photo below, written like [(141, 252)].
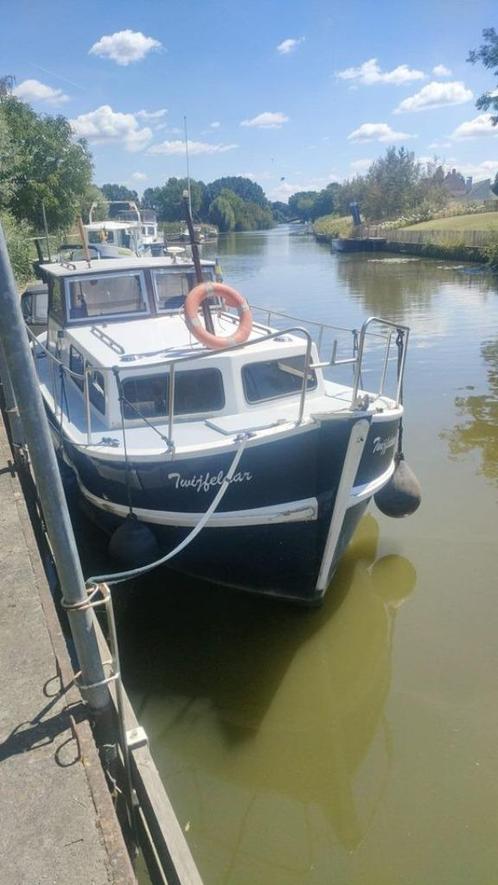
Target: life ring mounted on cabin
[(233, 298)]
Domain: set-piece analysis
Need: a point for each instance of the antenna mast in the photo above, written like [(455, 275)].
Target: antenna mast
[(188, 167)]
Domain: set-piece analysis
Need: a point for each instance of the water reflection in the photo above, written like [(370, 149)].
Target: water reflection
[(479, 430), (267, 721), (387, 287)]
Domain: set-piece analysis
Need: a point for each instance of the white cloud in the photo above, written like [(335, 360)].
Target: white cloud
[(441, 71), (479, 126), (436, 95), (370, 73), (105, 126), (289, 45), (215, 124), (359, 166), (255, 176), (151, 115), (139, 176), (170, 148), (33, 90), (285, 189), (266, 120), (378, 132), (486, 169), (124, 47)]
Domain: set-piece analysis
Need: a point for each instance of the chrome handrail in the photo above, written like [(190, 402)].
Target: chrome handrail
[(405, 330), (172, 363)]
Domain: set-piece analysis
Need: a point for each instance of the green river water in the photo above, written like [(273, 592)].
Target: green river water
[(356, 744)]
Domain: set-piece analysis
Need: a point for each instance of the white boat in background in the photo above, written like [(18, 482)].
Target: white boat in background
[(130, 228)]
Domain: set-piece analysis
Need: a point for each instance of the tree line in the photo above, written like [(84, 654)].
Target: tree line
[(395, 185)]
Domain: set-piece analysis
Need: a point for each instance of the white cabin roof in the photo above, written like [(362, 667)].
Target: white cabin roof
[(112, 225), (156, 339), (103, 265)]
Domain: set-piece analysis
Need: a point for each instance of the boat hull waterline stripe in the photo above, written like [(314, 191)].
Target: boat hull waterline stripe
[(293, 511), (305, 510)]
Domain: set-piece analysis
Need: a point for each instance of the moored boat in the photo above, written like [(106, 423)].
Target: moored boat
[(211, 427)]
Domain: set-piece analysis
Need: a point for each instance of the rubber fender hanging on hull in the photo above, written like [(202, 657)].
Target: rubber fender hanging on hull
[(402, 495), (133, 543)]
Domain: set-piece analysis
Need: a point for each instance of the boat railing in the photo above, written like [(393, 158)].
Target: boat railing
[(375, 326)]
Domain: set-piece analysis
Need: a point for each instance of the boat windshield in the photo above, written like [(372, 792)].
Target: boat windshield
[(171, 287), (93, 296)]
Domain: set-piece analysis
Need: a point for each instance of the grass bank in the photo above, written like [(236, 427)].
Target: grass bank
[(328, 227), (483, 221)]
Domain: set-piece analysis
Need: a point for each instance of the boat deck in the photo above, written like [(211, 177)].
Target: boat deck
[(266, 419)]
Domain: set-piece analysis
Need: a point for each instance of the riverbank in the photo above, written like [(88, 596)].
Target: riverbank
[(58, 820), (457, 238)]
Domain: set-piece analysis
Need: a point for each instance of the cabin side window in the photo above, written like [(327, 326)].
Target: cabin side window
[(275, 378), (96, 388), (198, 391), (76, 364), (109, 295), (56, 304), (171, 288)]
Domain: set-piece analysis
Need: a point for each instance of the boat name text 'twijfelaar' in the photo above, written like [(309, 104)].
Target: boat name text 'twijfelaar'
[(204, 482), (382, 445)]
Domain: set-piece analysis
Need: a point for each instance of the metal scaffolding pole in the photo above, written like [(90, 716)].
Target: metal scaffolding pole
[(17, 353)]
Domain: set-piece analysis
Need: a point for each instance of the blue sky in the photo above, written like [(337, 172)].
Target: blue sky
[(293, 94)]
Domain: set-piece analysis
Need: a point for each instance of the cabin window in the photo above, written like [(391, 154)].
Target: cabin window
[(199, 391), (172, 286), (96, 389), (56, 309), (76, 364), (275, 378), (108, 295)]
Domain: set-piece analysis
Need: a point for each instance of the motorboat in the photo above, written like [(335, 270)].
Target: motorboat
[(213, 423), (130, 228)]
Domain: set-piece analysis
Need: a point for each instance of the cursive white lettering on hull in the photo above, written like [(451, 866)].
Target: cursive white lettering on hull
[(204, 482), (380, 446)]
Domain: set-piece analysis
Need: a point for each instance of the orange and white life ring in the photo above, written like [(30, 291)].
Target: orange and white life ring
[(233, 298)]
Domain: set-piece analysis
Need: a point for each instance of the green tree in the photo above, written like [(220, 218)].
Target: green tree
[(301, 205), (151, 197), (169, 201), (221, 213), (326, 201), (494, 187), (247, 215), (487, 54), (117, 197), (281, 212), (93, 195), (352, 190), (391, 184), (243, 187), (18, 235), (48, 166)]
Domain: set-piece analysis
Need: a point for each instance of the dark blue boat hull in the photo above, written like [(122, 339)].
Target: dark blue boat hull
[(280, 558)]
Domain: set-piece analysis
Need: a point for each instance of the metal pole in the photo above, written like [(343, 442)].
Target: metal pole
[(17, 353), (45, 225), (206, 312), (188, 167)]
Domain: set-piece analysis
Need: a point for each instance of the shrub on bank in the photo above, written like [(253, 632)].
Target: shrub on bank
[(20, 247), (328, 227), (490, 252)]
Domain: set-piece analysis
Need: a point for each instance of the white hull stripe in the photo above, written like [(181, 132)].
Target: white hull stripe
[(359, 493), (305, 510)]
